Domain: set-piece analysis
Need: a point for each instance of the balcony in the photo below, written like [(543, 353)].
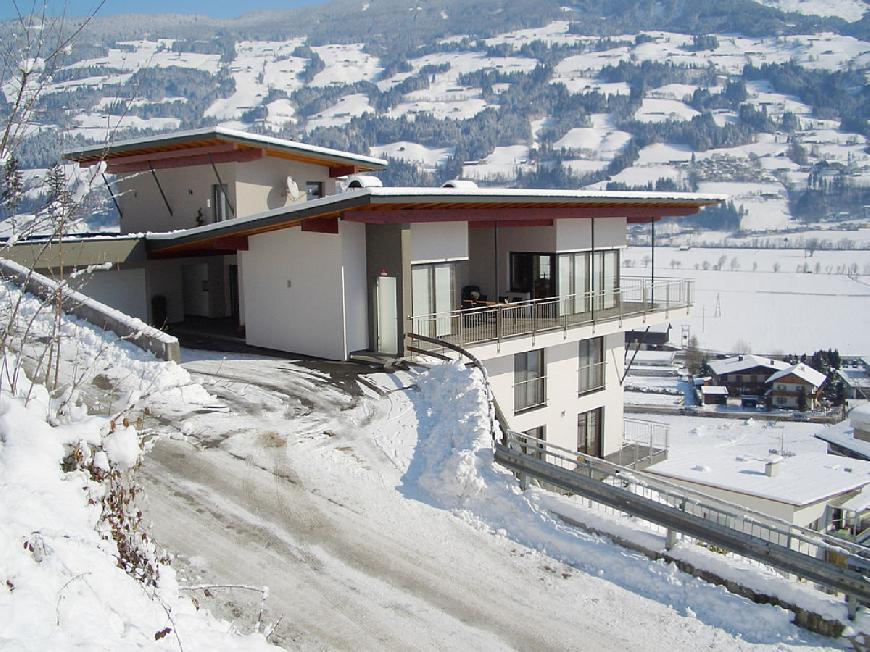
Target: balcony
[(496, 322)]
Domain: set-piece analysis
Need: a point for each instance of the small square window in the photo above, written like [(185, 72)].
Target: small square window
[(314, 189)]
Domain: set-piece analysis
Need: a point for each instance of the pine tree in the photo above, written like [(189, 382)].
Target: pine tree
[(13, 185)]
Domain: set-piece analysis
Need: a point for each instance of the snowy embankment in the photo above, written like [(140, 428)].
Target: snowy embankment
[(78, 569), (453, 467)]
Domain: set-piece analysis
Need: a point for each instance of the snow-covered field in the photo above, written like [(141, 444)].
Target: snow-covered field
[(342, 112), (758, 300), (428, 157), (851, 10), (345, 63)]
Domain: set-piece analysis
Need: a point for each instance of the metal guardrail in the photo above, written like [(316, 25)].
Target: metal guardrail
[(162, 345), (634, 297), (831, 562)]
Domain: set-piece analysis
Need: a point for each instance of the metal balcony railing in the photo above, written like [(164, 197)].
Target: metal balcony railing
[(832, 562), (643, 443), (494, 323)]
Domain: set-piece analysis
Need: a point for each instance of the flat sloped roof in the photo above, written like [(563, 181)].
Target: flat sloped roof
[(180, 140), (409, 205), (803, 479)]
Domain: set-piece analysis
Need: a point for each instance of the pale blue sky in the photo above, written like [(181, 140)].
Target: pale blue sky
[(215, 8)]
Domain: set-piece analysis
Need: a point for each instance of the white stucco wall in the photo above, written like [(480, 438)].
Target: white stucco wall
[(306, 316), (353, 243), (438, 242), (576, 234), (188, 190), (122, 289), (164, 278), (260, 185), (252, 187), (563, 403), (195, 280)]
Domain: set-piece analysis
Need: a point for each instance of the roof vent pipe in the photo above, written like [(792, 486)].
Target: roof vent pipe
[(771, 468)]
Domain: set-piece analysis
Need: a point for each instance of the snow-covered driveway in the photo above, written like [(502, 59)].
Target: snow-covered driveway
[(317, 486)]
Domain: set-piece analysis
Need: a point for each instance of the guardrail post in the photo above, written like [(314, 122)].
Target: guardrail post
[(852, 606), (524, 480), (670, 539)]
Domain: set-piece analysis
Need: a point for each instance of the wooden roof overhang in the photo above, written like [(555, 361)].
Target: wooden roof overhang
[(205, 148), (323, 215)]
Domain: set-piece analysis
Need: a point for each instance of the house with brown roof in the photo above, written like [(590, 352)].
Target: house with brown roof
[(797, 387)]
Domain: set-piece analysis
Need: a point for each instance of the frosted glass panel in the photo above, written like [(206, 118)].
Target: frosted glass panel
[(581, 282), (420, 298), (610, 283), (566, 286), (443, 298), (388, 318)]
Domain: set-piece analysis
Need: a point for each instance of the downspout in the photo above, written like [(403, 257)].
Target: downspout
[(652, 284), (592, 257), (495, 256)]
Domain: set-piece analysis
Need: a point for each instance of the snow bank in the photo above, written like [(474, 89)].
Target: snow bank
[(453, 468), (61, 586)]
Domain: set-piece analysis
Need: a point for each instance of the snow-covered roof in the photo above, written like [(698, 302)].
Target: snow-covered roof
[(654, 358), (740, 362), (859, 418), (714, 390), (856, 377), (178, 139), (842, 435), (859, 502), (547, 194), (800, 480), (802, 371)]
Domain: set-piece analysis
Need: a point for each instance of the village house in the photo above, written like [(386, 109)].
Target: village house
[(284, 246), (818, 491), (795, 388), (745, 374), (855, 376), (850, 437)]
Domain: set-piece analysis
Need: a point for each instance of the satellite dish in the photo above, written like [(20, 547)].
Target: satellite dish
[(292, 191)]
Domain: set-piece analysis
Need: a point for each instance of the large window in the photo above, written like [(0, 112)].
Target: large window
[(574, 282), (605, 275), (591, 365), (589, 279), (220, 205), (589, 432), (530, 388), (533, 273), (432, 298)]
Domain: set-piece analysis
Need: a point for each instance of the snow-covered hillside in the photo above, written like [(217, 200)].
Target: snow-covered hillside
[(69, 580), (586, 124)]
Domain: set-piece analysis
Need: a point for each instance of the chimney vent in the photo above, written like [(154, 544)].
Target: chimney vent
[(771, 468)]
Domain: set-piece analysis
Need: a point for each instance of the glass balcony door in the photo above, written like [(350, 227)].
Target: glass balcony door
[(432, 298)]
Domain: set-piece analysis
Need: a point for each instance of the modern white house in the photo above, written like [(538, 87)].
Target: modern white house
[(818, 491), (257, 236)]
